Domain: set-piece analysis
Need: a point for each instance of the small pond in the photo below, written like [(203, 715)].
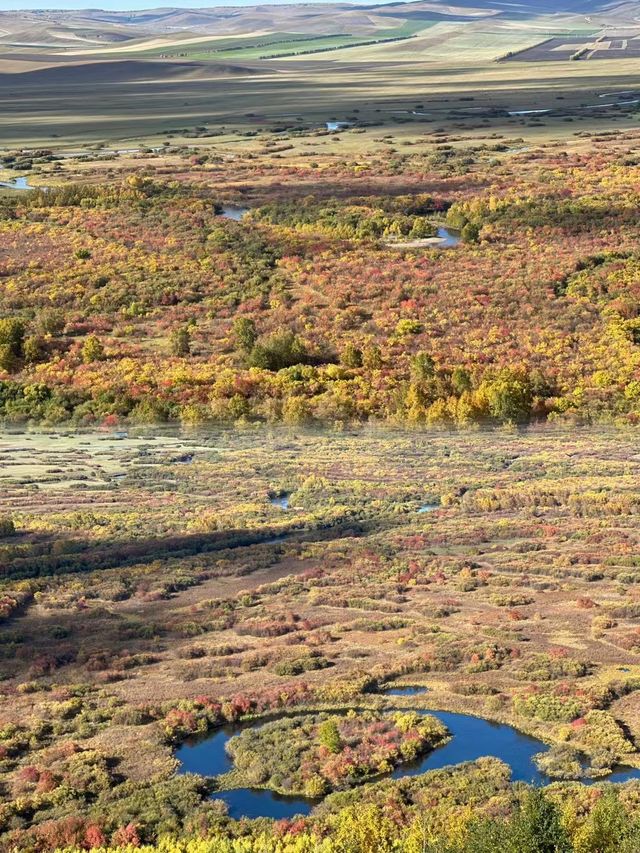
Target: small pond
[(281, 501), (404, 691), (233, 212), (427, 508), (472, 738)]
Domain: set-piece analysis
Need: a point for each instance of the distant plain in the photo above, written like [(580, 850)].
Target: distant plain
[(73, 79)]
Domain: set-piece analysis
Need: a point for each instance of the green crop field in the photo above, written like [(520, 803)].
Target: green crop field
[(243, 47)]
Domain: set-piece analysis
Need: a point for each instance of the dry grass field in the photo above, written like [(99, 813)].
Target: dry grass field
[(364, 66)]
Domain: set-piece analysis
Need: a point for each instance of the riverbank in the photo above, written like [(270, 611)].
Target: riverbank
[(471, 738)]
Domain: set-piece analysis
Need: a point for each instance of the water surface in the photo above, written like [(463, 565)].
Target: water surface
[(21, 183), (233, 212), (281, 501), (404, 691), (448, 236), (472, 738)]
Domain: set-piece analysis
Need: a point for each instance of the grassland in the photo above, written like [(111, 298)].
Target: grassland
[(514, 600), (72, 95), (255, 99)]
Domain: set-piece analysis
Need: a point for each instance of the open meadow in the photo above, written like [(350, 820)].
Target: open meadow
[(68, 81), (159, 584)]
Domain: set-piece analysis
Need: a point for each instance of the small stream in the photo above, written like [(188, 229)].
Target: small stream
[(448, 237), (21, 183), (472, 738)]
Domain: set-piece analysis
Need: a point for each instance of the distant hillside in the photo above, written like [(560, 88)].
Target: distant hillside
[(95, 28), (122, 71)]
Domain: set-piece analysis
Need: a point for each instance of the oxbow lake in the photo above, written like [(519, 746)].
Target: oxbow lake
[(472, 738)]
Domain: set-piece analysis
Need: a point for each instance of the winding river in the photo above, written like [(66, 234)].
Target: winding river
[(21, 183), (472, 738), (445, 238), (448, 237)]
